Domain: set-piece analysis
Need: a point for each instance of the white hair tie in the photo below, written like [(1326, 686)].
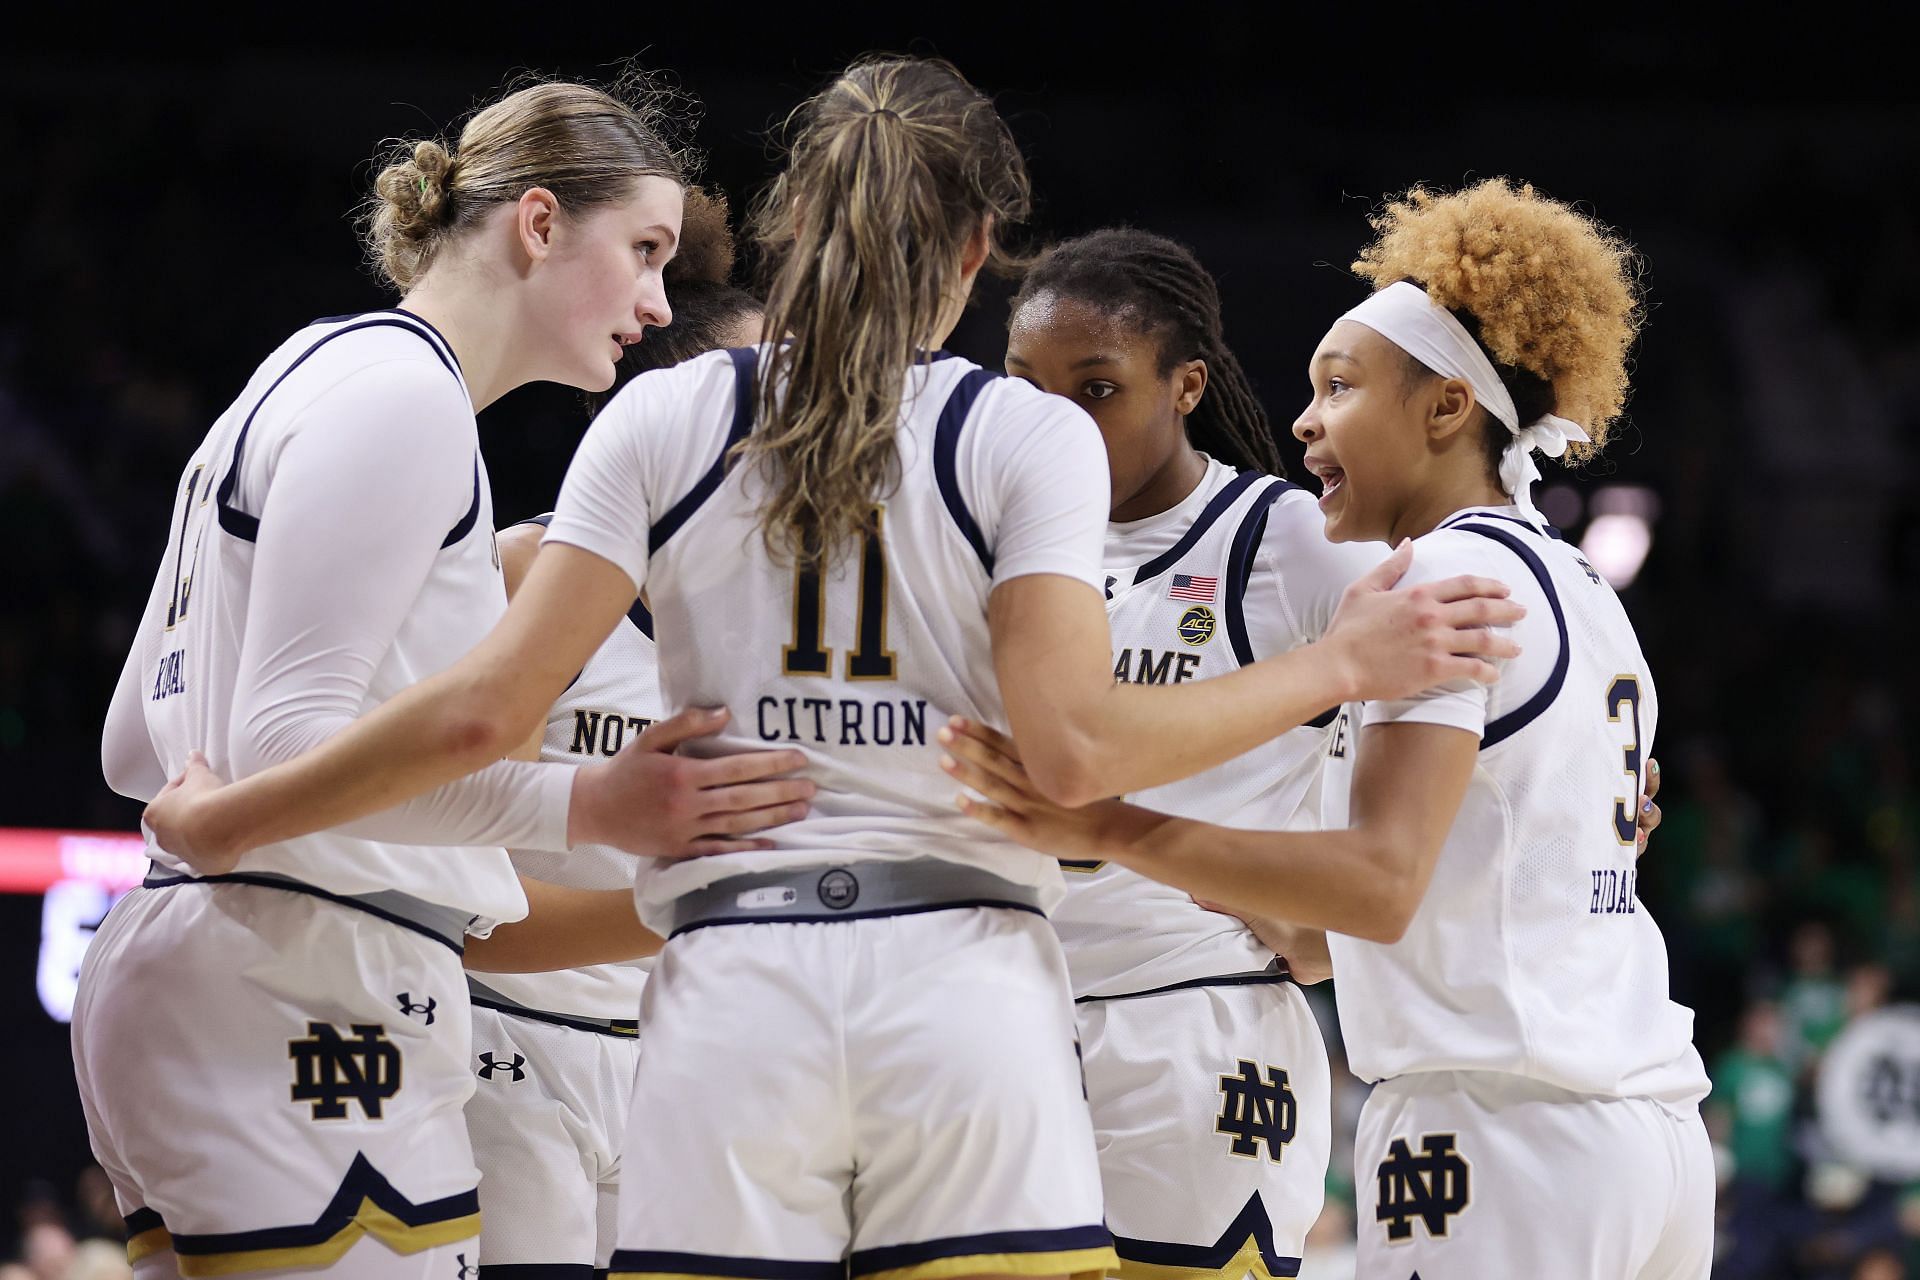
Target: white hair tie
[(1404, 315)]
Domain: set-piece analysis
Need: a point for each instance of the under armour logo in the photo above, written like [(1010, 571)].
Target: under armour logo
[(488, 1066), (330, 1069), (1582, 562), (467, 1271), (1431, 1186), (408, 1007), (1253, 1111), (1109, 588)]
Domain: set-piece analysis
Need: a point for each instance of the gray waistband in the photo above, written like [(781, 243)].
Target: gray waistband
[(865, 889), (447, 925), (487, 998)]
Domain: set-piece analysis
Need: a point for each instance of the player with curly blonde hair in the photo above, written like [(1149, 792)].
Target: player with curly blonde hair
[(1499, 979)]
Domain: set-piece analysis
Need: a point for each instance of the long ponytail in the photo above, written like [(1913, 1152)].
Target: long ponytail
[(893, 167)]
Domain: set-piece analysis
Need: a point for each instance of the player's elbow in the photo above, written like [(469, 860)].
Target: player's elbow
[(1066, 770), (1395, 887)]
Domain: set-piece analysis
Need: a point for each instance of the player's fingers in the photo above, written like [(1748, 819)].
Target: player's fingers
[(978, 753), (1479, 611), (1649, 818), (1001, 820), (1653, 777), (748, 766), (993, 788), (707, 846), (1462, 668), (984, 733), (1467, 586), (747, 821), (694, 722), (756, 795), (1478, 642)]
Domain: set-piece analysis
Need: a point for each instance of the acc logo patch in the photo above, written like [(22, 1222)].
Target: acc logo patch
[(1196, 625)]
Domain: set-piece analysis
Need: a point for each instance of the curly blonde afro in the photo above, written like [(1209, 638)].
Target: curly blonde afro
[(1555, 293), (705, 255)]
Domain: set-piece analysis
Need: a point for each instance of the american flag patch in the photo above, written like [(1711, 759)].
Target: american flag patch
[(1187, 587)]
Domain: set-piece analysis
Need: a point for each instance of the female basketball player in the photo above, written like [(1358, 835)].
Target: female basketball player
[(1211, 561), (556, 1050), (1498, 975), (274, 1061), (859, 1047)]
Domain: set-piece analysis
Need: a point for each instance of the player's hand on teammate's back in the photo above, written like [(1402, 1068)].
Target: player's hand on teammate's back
[(647, 800), (985, 760), (1396, 643), (168, 817)]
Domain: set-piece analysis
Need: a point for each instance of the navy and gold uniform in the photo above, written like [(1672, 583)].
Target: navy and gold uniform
[(1205, 1069)]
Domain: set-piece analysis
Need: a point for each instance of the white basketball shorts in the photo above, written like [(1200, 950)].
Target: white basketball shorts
[(885, 1098), (1474, 1173), (1212, 1119), (270, 1076), (547, 1117)]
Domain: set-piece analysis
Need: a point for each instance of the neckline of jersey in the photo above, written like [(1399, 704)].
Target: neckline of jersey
[(1176, 517)]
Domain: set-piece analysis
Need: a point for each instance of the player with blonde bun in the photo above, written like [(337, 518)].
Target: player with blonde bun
[(1535, 1109), (860, 1050), (273, 1059), (555, 1050)]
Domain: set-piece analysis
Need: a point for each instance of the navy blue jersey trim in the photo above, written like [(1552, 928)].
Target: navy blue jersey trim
[(658, 1261), (538, 1271), (155, 880), (363, 1182), (1498, 731), (1277, 976), (1252, 1221), (246, 527), (1452, 522), (866, 1262), (863, 915), (746, 363), (1246, 542), (616, 1028), (946, 449), (639, 615), (1215, 508), (472, 517)]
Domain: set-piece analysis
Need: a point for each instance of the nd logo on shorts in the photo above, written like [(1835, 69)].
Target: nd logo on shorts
[(1431, 1186), (1196, 625), (1255, 1111), (330, 1070)]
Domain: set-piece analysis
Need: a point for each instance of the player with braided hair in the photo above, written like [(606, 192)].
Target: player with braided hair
[(1500, 980), (1206, 1074)]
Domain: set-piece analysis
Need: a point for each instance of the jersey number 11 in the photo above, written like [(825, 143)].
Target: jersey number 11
[(808, 655)]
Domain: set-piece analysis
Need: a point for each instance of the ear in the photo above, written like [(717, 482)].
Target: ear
[(1190, 384), (535, 217), (1450, 409), (973, 255)]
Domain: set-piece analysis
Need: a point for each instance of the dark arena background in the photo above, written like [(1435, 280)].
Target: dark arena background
[(177, 201)]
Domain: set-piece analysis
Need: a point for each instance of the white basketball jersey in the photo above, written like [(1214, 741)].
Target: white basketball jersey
[(609, 704), (1181, 615), (191, 637), (1531, 952), (859, 666)]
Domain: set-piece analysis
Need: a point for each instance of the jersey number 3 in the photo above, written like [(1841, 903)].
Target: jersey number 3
[(1625, 692), (808, 655)]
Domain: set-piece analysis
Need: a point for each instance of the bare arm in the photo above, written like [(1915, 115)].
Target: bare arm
[(1084, 737), (475, 712), (1366, 881), (565, 929)]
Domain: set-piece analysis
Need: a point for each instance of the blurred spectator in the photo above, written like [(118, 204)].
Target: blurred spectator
[(1813, 1004), (1751, 1107), (48, 1251)]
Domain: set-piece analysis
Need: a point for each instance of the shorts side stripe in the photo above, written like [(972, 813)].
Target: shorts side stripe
[(1070, 1251), (365, 1204), (656, 1264), (146, 1235), (1245, 1248)]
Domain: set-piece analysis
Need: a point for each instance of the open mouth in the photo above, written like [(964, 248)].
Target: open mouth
[(1332, 478)]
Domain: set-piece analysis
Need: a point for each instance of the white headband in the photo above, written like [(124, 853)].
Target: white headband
[(1404, 315)]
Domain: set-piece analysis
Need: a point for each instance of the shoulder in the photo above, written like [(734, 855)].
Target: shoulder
[(1444, 553), (518, 544), (707, 380)]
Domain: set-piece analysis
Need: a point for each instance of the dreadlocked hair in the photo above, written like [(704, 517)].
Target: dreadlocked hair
[(891, 169), (1160, 287), (706, 305)]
